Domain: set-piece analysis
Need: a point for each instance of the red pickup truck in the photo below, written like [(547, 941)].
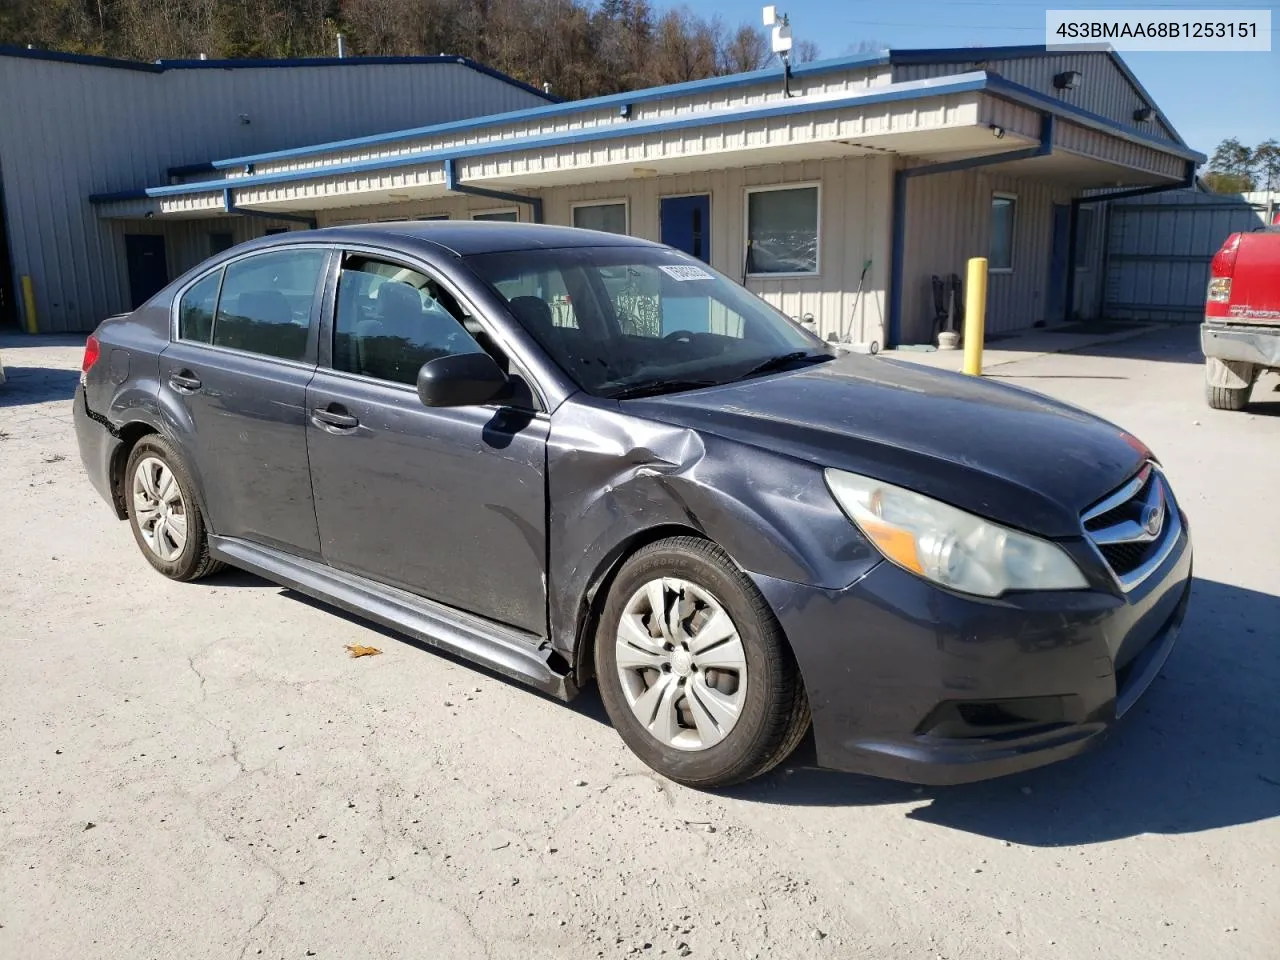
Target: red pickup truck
[(1241, 331)]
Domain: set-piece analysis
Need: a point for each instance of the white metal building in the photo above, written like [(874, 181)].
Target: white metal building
[(841, 200), (72, 126)]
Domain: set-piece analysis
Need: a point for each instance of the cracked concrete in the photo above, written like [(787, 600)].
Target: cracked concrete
[(254, 792)]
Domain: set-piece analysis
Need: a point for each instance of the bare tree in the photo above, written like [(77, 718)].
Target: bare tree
[(805, 51), (745, 49)]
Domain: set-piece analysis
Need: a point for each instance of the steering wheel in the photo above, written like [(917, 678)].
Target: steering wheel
[(685, 335)]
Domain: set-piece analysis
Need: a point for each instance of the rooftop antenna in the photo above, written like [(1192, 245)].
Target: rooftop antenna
[(781, 25)]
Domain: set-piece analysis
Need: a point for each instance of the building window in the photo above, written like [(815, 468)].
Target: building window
[(609, 216), (507, 216), (1084, 237), (1003, 216), (782, 230), (265, 304)]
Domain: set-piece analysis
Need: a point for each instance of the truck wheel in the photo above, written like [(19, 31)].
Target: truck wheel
[(1227, 398)]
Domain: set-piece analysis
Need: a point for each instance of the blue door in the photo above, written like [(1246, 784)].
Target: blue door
[(1057, 300), (148, 269), (686, 225)]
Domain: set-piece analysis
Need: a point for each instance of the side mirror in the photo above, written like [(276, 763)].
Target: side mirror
[(462, 380)]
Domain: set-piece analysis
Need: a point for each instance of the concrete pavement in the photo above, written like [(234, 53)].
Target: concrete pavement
[(201, 770)]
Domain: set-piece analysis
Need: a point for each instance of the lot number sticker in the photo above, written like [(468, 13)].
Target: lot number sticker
[(685, 273)]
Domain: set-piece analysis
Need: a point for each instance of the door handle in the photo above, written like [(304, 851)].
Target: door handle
[(184, 381), (333, 417)]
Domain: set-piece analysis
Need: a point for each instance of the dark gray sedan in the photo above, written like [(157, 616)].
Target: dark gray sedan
[(565, 454)]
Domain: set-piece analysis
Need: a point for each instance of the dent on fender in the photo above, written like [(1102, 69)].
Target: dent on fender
[(613, 478)]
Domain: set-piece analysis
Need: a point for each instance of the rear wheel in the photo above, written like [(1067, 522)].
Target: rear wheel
[(694, 670), (1226, 398), (163, 512)]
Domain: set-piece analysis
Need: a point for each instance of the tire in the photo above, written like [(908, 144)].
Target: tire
[(158, 512), (693, 737), (1227, 398)]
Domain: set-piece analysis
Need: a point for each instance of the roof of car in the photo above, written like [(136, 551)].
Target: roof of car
[(466, 237)]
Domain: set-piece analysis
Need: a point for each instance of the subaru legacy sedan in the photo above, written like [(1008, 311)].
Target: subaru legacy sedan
[(568, 455)]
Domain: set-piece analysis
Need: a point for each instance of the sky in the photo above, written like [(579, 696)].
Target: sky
[(1206, 96)]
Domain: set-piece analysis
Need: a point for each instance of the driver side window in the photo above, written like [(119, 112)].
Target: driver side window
[(391, 319)]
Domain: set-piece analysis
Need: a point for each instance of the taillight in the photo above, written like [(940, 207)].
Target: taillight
[(1221, 269), (92, 350)]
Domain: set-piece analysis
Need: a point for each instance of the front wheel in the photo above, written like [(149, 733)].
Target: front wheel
[(694, 669), (1226, 398)]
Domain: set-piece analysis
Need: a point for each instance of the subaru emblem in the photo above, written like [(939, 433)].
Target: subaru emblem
[(1153, 519)]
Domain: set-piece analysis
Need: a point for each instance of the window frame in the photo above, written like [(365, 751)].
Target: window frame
[(477, 214), (310, 356), (623, 202), (1083, 255), (329, 324), (1013, 229), (746, 229)]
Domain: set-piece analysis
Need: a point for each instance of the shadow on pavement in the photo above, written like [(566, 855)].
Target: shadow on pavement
[(29, 385), (1199, 752), (1177, 344), (586, 704)]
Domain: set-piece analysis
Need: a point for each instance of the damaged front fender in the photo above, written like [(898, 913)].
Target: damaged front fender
[(614, 480)]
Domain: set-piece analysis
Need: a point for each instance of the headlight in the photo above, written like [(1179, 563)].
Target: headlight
[(948, 546)]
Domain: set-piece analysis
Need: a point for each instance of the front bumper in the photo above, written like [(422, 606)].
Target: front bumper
[(911, 682), (1246, 343)]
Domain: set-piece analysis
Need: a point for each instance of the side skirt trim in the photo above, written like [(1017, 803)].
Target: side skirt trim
[(512, 653)]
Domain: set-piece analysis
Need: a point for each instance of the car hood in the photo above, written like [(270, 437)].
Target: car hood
[(1001, 452)]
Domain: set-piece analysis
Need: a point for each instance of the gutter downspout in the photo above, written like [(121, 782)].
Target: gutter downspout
[(1069, 301), (229, 205), (451, 182), (900, 179)]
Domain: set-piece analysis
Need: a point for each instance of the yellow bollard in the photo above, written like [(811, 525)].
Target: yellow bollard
[(29, 304), (975, 315)]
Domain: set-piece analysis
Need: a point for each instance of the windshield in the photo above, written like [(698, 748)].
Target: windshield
[(625, 321)]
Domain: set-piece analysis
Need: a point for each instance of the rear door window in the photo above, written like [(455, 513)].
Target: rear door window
[(195, 309), (266, 303)]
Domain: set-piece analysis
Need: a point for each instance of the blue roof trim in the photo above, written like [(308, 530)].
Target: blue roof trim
[(965, 54), (161, 66), (565, 108), (82, 58), (189, 169), (910, 90)]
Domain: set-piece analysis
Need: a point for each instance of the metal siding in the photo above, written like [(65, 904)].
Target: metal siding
[(68, 130), (855, 203), (844, 82), (838, 122), (1159, 248), (948, 217), (1103, 89), (1093, 143)]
